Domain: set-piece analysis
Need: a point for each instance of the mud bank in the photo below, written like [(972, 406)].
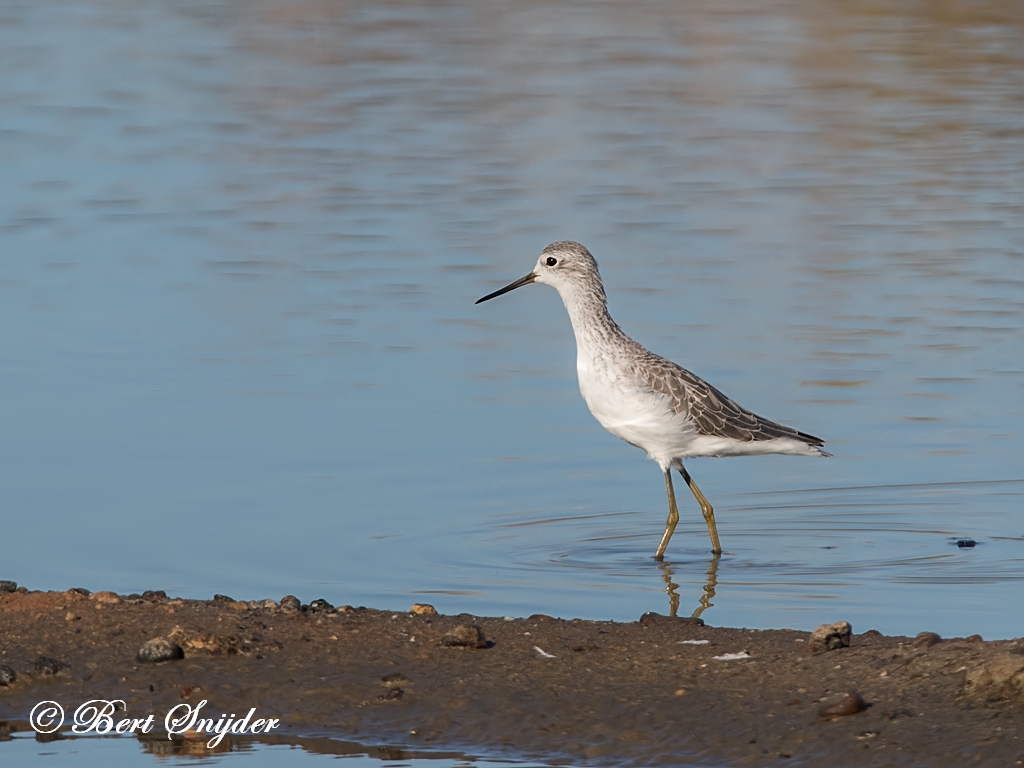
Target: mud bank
[(654, 692)]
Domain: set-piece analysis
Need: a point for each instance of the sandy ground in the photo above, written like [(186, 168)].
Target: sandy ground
[(657, 691)]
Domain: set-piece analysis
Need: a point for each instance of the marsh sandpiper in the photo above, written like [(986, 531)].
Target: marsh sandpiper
[(646, 400)]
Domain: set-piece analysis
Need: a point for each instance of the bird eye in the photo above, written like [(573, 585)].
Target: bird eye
[(551, 261)]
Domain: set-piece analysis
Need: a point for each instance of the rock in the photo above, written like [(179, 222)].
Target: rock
[(540, 617), (966, 543), (828, 637), (1000, 677), (154, 595), (392, 695), (215, 645), (223, 599), (974, 639), (423, 609), (464, 636), (8, 586), (290, 604), (394, 680), (321, 606), (80, 591), (926, 639), (159, 649), (45, 666), (842, 705), (7, 674), (105, 598)]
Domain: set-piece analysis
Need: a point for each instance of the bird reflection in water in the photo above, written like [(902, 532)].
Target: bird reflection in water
[(673, 597)]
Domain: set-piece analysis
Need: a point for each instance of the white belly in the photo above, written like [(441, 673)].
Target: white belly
[(635, 413), (644, 418)]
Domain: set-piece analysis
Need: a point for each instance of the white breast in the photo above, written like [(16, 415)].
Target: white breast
[(633, 411)]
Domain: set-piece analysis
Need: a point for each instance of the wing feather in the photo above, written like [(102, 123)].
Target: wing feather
[(711, 412)]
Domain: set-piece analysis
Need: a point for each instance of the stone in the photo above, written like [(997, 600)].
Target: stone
[(842, 705), (8, 586), (159, 649), (464, 636), (105, 598), (394, 680), (829, 637), (321, 606), (423, 609), (1000, 677), (291, 604), (46, 665), (926, 639), (7, 674), (223, 599), (204, 642), (154, 595)]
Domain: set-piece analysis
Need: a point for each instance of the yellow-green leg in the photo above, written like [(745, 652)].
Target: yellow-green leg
[(673, 516), (705, 507)]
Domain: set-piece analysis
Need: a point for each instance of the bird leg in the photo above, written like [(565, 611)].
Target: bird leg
[(705, 507), (673, 516)]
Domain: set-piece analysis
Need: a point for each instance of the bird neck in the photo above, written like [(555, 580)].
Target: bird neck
[(588, 312)]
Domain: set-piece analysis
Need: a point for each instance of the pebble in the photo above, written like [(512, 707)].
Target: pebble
[(1000, 676), (8, 586), (291, 604), (159, 649), (394, 680), (423, 609), (464, 636), (105, 598), (321, 606), (828, 637), (842, 705), (45, 665), (7, 674), (926, 639)]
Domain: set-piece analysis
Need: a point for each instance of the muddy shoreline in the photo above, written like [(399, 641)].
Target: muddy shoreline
[(575, 691)]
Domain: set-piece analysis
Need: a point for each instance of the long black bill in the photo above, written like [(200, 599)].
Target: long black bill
[(510, 287)]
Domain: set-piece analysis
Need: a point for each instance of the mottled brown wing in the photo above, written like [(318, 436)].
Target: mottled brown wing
[(711, 412)]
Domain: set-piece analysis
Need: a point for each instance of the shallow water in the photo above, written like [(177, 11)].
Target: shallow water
[(101, 752), (240, 245)]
